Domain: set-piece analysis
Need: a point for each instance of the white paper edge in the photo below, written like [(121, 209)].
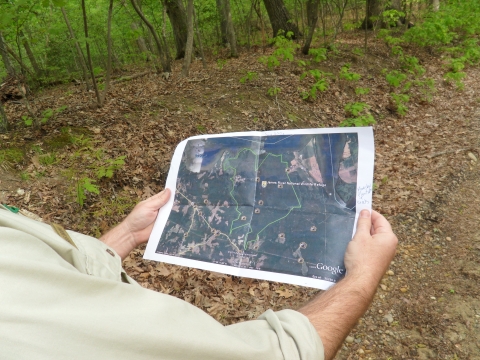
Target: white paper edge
[(366, 152)]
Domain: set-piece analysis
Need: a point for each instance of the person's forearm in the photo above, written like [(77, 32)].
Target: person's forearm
[(120, 240), (336, 311)]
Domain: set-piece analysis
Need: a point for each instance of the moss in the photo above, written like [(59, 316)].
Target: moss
[(58, 142), (65, 138), (11, 155)]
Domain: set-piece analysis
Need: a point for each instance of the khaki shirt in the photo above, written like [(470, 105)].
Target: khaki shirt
[(60, 301)]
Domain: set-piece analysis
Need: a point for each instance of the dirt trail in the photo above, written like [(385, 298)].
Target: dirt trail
[(428, 306)]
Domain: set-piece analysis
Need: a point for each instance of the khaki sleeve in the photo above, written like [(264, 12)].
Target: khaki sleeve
[(51, 309)]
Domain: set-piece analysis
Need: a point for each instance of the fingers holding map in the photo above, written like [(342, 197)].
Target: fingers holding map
[(277, 205)]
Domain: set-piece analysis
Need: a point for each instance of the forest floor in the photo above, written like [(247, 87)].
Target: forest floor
[(427, 179)]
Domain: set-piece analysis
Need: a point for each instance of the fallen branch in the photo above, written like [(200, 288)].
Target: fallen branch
[(198, 80), (434, 155), (126, 78)]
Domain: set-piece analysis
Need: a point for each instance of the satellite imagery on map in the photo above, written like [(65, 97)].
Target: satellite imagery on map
[(280, 203)]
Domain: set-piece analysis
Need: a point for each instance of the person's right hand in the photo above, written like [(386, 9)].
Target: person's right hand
[(372, 248)]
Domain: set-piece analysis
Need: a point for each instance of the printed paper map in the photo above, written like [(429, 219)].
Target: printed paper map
[(275, 205)]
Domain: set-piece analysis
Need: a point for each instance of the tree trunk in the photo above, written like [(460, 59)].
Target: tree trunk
[(280, 18), (17, 59), (140, 41), (178, 20), (199, 40), (223, 23), (30, 55), (226, 25), (164, 58), (312, 19), (109, 52), (81, 58), (372, 10), (435, 5), (189, 46), (3, 119), (89, 57), (5, 58)]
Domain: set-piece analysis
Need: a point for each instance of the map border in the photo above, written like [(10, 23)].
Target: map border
[(366, 155)]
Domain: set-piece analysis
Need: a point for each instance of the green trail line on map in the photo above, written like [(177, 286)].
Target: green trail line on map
[(257, 166)]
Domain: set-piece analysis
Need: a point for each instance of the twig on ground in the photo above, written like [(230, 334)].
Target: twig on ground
[(434, 155), (126, 78)]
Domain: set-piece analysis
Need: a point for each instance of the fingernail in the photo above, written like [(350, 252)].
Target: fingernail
[(364, 213)]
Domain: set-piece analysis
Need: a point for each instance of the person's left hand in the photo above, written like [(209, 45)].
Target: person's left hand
[(137, 226)]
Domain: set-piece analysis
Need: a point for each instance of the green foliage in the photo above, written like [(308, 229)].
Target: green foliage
[(27, 120), (284, 51), (221, 63), (358, 51), (12, 155), (395, 78), (321, 83), (85, 185), (457, 78), (318, 55), (249, 76), (392, 16), (426, 88), (47, 114), (82, 141), (361, 116), (356, 108), (24, 176), (390, 40), (346, 74), (362, 120), (400, 101), (201, 128), (47, 159), (273, 91), (412, 65), (362, 91), (111, 165)]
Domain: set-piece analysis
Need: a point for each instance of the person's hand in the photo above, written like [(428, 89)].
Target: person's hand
[(137, 226), (336, 311), (372, 248)]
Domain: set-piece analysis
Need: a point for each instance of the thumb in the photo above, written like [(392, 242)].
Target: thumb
[(160, 199), (364, 223)]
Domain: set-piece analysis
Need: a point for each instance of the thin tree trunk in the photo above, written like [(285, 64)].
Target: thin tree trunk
[(140, 41), (227, 25), (18, 60), (435, 5), (249, 24), (5, 58), (81, 59), (109, 52), (280, 18), (89, 57), (189, 46), (3, 119), (199, 39), (30, 55), (162, 52), (258, 10), (312, 19)]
